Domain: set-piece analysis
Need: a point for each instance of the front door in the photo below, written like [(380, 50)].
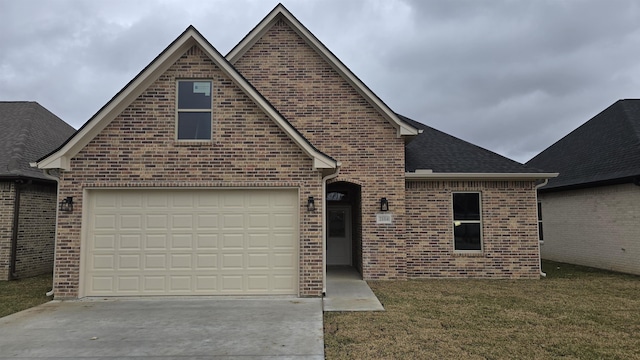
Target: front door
[(339, 235)]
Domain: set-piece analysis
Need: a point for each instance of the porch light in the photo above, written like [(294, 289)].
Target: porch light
[(66, 204), (384, 204), (311, 206)]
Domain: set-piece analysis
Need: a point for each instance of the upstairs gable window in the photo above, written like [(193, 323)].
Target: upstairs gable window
[(194, 110)]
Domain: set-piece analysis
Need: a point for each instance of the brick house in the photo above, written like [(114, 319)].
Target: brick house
[(591, 211), (252, 173), (27, 195)]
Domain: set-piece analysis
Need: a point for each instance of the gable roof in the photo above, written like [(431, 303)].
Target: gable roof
[(61, 157), (604, 150), (434, 154), (29, 131), (281, 13)]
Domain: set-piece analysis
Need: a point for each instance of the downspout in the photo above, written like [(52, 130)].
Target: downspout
[(543, 274), (55, 236), (324, 226), (14, 232)]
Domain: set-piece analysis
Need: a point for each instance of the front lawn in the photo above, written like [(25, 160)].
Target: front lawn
[(573, 313), (18, 295)]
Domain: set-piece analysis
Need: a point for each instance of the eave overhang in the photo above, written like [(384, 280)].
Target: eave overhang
[(61, 158), (428, 175)]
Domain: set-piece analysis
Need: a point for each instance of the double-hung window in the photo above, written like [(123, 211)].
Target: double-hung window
[(540, 233), (467, 222), (194, 110)]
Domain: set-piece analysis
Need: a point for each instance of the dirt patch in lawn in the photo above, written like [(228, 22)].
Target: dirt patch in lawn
[(18, 295), (573, 313)]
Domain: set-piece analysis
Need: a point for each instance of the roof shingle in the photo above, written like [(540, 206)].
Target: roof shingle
[(443, 153), (29, 131), (602, 150)]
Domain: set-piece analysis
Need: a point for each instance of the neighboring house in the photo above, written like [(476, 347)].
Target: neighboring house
[(591, 212), (27, 196), (251, 173)]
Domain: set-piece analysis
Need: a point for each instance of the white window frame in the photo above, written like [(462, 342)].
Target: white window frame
[(179, 110), (454, 222)]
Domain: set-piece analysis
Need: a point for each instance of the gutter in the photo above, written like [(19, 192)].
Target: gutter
[(543, 274), (428, 174), (324, 226)]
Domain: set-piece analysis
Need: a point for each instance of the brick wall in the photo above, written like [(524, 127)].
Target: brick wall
[(597, 227), (509, 230), (7, 197), (338, 121), (36, 232), (138, 149)]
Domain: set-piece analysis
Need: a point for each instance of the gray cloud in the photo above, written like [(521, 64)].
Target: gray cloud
[(511, 76)]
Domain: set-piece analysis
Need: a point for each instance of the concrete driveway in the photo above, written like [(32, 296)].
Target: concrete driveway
[(166, 328)]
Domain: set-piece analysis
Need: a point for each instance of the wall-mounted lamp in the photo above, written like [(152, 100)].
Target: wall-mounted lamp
[(311, 205), (66, 204), (384, 204)]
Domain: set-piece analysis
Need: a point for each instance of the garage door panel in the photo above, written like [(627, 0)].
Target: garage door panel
[(157, 222), (155, 241), (130, 222), (207, 222), (132, 202), (105, 242), (105, 222), (130, 241), (207, 241), (129, 262), (181, 242)]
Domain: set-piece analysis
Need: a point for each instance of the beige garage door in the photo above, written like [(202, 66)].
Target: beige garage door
[(191, 242)]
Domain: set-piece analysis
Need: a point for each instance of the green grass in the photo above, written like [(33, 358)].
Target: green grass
[(18, 295), (573, 313)]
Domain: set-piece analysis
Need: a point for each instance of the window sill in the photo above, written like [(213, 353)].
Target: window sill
[(468, 253), (193, 143)]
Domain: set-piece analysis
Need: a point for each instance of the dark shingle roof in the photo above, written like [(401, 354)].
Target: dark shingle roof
[(444, 153), (602, 150), (27, 132)]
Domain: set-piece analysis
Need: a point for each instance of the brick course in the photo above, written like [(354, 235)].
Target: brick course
[(597, 227), (509, 230), (7, 197), (36, 233), (36, 229), (338, 121)]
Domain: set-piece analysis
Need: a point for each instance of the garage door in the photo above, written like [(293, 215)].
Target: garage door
[(191, 242)]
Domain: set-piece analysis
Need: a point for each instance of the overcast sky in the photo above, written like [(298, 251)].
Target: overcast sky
[(510, 76)]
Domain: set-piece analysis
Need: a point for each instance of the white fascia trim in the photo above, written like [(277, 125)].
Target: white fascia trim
[(402, 128), (61, 158), (426, 175)]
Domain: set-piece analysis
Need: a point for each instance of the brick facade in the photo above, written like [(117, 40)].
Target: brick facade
[(36, 233), (138, 149), (338, 121), (597, 227), (7, 198), (509, 230), (36, 229)]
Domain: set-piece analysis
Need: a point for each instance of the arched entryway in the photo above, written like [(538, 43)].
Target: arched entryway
[(344, 225)]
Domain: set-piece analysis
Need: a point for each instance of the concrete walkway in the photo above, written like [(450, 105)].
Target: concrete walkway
[(166, 328), (346, 291)]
